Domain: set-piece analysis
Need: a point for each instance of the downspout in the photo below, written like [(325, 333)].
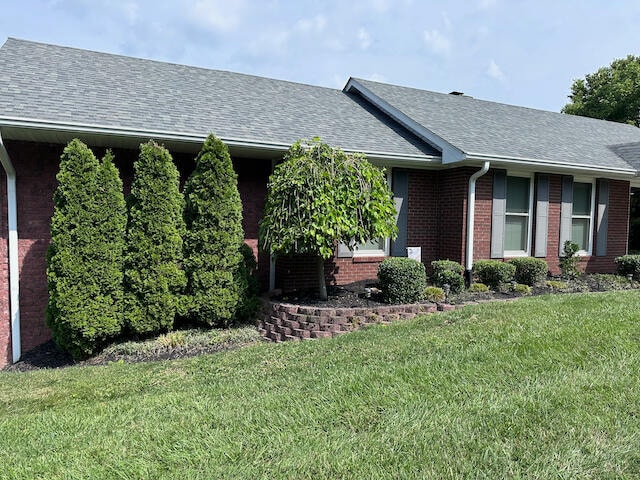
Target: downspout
[(14, 279), (471, 214)]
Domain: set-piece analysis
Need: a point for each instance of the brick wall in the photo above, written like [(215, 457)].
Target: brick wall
[(5, 321)]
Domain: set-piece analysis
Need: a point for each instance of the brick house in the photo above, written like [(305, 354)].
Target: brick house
[(472, 179)]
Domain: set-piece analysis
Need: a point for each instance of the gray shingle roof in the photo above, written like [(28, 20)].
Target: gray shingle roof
[(59, 84), (499, 130)]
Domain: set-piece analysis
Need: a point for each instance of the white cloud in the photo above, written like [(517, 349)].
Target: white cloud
[(364, 38), (437, 42), (219, 15), (494, 71), (309, 25), (487, 4)]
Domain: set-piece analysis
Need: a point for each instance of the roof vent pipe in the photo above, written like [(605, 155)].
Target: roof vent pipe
[(12, 220), (471, 210)]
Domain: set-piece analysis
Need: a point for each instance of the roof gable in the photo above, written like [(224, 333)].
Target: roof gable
[(479, 129)]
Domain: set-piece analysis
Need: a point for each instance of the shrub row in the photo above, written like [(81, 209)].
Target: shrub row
[(114, 268)]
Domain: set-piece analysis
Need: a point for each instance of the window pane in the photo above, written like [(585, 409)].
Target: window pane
[(580, 232), (377, 244), (515, 233), (582, 199), (518, 195)]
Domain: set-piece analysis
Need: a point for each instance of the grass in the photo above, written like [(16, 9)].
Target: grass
[(545, 387)]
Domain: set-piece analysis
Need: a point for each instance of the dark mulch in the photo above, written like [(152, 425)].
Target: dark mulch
[(48, 355)]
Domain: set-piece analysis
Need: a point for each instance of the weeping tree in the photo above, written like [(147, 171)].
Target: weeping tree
[(320, 196), (84, 260), (153, 275), (213, 217)]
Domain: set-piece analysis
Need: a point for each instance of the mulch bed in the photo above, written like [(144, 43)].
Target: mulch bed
[(48, 355)]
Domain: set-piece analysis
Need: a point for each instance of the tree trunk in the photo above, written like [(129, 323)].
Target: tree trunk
[(322, 289)]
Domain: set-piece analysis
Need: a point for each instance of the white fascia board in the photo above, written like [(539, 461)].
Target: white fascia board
[(450, 153), (280, 147), (536, 164)]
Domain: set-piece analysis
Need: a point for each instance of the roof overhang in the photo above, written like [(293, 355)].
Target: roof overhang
[(119, 137)]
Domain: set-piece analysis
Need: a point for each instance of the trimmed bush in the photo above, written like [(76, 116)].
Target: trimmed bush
[(529, 270), (402, 280), (213, 219), (434, 294), (84, 260), (478, 288), (153, 277), (494, 273), (447, 272), (628, 264), (521, 289)]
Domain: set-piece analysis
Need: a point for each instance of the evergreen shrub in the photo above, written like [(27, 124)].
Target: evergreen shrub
[(447, 272), (213, 261), (84, 259), (628, 264), (402, 280), (154, 279), (494, 273), (529, 270)]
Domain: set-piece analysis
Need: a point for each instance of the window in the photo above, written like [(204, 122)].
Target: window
[(517, 219), (376, 247), (581, 216)]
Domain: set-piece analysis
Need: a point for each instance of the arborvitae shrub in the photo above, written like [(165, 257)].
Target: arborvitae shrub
[(628, 264), (494, 273), (402, 280), (84, 260), (529, 270), (153, 275), (447, 272), (213, 217)]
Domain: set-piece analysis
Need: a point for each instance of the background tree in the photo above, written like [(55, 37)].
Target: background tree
[(84, 260), (320, 196), (213, 217), (611, 93), (153, 275)]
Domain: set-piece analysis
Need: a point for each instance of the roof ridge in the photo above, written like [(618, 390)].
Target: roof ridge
[(163, 62)]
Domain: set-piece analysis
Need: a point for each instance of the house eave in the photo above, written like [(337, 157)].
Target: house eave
[(115, 136), (551, 166)]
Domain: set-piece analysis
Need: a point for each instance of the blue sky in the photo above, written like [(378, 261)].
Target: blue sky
[(519, 52)]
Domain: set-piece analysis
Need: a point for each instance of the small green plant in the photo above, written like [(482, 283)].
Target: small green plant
[(628, 265), (494, 273), (529, 270), (249, 285), (402, 280), (434, 294), (172, 339), (478, 287), (556, 285), (521, 289), (447, 272), (569, 260)]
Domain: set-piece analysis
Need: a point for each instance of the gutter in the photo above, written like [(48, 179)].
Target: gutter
[(14, 272), (471, 215)]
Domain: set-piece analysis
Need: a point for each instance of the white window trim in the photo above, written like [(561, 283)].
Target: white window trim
[(387, 241), (592, 181), (527, 252)]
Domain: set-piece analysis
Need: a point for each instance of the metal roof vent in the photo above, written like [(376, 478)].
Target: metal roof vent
[(458, 94)]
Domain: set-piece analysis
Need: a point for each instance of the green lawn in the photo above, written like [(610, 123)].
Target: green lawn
[(544, 387)]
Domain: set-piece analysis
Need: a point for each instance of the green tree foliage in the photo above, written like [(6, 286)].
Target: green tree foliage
[(320, 196), (213, 217), (153, 275), (84, 261), (611, 93)]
